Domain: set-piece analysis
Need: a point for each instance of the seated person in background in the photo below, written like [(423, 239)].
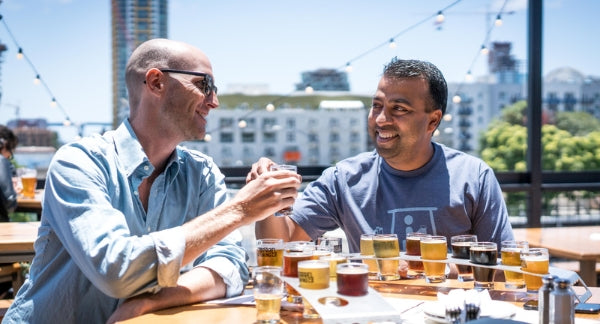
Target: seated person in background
[(8, 194), (125, 214), (408, 183)]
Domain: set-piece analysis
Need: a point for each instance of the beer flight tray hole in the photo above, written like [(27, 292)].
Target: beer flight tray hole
[(333, 301)]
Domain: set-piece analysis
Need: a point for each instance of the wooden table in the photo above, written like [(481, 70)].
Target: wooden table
[(406, 289), (581, 243), (31, 205), (16, 241)]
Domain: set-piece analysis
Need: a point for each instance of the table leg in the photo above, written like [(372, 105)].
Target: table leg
[(587, 269)]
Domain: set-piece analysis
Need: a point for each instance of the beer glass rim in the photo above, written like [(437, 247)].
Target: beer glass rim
[(386, 235), (306, 262), (270, 240), (535, 251), (434, 238), (417, 234), (352, 265), (463, 238), (256, 270), (486, 244), (514, 243), (366, 235)]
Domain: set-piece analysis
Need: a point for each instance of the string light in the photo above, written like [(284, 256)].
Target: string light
[(484, 50), (270, 107), (207, 137), (242, 123), (392, 43), (309, 89), (498, 21), (469, 76), (440, 17), (38, 78), (348, 67)]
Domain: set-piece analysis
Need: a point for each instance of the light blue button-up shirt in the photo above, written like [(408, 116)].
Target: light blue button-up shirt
[(97, 245)]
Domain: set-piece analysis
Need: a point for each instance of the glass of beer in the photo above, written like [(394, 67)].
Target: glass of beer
[(413, 247), (295, 252), (276, 167), (387, 252), (366, 250), (333, 259), (334, 243), (484, 253), (269, 252), (535, 260), (461, 244), (352, 279), (434, 247), (268, 292), (28, 181), (313, 274), (510, 254)]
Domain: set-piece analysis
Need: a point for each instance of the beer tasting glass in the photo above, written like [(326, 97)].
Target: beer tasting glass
[(28, 179), (293, 253), (387, 252), (334, 260), (510, 253), (334, 242), (535, 260), (268, 292), (434, 247), (485, 253), (352, 279), (313, 274), (276, 167), (269, 252), (461, 245), (366, 250), (413, 247)]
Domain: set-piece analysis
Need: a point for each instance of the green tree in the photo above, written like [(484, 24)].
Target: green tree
[(577, 123)]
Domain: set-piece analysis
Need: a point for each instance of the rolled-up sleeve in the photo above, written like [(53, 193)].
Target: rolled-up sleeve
[(170, 247)]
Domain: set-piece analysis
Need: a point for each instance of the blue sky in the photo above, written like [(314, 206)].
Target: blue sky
[(272, 41)]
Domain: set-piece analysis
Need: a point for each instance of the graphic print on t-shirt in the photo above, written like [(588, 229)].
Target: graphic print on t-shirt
[(415, 219)]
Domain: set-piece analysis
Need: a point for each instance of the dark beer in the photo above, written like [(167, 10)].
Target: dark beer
[(484, 253), (353, 279)]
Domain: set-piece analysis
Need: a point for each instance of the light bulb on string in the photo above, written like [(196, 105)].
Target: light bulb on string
[(309, 89), (348, 67), (53, 103), (20, 54), (484, 50), (440, 17), (67, 122), (456, 99), (469, 76), (270, 107), (242, 123), (498, 21), (448, 117), (207, 137), (36, 81), (392, 43)]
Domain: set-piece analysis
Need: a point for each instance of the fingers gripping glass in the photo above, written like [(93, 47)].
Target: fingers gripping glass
[(208, 84)]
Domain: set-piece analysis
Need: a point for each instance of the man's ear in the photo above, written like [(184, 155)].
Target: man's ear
[(154, 80), (435, 119)]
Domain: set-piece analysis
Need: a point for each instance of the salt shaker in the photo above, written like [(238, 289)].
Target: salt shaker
[(544, 298), (562, 303)]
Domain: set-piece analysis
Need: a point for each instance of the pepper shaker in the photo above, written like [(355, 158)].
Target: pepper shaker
[(544, 298)]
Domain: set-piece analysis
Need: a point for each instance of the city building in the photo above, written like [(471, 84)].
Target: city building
[(322, 135), (133, 22), (324, 80)]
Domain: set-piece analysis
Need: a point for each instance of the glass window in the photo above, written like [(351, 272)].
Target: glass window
[(226, 138)]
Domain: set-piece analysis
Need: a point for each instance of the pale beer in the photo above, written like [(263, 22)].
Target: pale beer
[(269, 252), (267, 307), (511, 255), (313, 274), (387, 252), (434, 248), (366, 249), (535, 260)]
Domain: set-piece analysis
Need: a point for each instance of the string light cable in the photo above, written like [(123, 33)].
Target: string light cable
[(38, 77)]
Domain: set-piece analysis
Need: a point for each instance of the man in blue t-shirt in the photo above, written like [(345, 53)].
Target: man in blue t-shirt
[(408, 184)]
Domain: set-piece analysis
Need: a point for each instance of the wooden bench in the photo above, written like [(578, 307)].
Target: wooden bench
[(4, 305)]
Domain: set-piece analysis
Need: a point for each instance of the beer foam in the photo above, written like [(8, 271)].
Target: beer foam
[(535, 257), (351, 270)]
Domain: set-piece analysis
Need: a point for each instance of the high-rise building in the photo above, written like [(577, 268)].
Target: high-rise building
[(324, 80), (133, 22)]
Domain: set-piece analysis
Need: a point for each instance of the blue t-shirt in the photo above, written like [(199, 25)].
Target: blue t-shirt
[(452, 194), (97, 245)]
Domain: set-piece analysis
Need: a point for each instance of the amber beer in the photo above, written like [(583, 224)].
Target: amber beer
[(511, 255), (534, 260), (295, 252), (413, 247), (485, 253), (461, 245), (352, 279), (313, 274), (386, 247), (334, 260), (434, 248), (269, 252), (366, 249)]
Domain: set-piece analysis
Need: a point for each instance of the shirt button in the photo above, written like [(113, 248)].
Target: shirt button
[(146, 167), (135, 193)]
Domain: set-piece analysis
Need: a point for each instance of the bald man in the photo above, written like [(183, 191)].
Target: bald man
[(132, 222)]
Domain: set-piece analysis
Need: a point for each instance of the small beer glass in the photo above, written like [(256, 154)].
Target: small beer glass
[(352, 279), (510, 253), (413, 247), (387, 252), (485, 253), (434, 247), (269, 252), (366, 250), (461, 244), (535, 260)]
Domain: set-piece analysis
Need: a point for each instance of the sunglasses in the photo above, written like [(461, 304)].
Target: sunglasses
[(207, 84)]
